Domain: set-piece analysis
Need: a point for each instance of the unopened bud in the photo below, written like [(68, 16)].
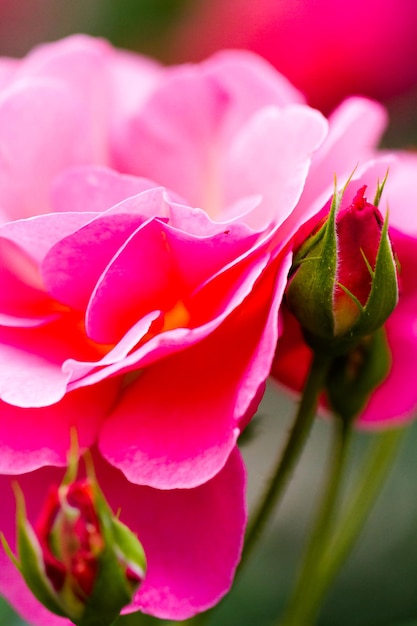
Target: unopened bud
[(343, 284), (79, 560)]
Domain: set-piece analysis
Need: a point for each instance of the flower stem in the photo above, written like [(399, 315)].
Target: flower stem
[(327, 557), (305, 585), (289, 457)]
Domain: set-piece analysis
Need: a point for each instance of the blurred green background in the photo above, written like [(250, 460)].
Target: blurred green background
[(378, 586)]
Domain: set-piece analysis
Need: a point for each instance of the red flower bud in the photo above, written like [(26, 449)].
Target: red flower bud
[(358, 230), (70, 537), (79, 560), (343, 283)]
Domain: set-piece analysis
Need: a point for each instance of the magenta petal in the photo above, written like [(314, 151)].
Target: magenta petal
[(23, 302), (169, 430), (395, 401), (32, 438), (139, 279), (192, 539), (176, 424)]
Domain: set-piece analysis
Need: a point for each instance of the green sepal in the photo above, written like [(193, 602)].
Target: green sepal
[(112, 590), (30, 561), (352, 377), (311, 283)]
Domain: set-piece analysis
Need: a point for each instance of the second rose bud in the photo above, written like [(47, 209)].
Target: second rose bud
[(343, 284)]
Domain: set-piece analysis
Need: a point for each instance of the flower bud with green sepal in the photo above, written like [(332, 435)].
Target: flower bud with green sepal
[(79, 560), (354, 375), (343, 284)]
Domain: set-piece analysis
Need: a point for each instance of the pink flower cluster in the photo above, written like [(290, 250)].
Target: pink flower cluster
[(147, 221)]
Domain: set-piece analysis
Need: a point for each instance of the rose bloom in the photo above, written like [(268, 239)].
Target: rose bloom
[(394, 400), (143, 213), (146, 215), (329, 49)]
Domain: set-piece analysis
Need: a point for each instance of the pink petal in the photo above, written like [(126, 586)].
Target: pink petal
[(94, 188), (38, 234), (176, 424), (355, 129), (284, 141), (211, 305), (157, 267), (22, 299), (43, 129), (192, 539), (395, 401), (81, 63), (73, 266), (34, 437), (172, 144), (31, 373), (399, 191)]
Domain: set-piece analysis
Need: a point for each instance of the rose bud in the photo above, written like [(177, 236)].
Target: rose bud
[(343, 284), (79, 560)]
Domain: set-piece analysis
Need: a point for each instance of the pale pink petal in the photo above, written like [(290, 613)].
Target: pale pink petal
[(43, 129), (283, 141), (8, 68), (94, 188), (36, 235), (355, 129), (251, 84), (399, 192), (81, 64), (171, 140)]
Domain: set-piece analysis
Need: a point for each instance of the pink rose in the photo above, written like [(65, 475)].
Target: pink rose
[(192, 539), (394, 400), (145, 222), (328, 49), (144, 210)]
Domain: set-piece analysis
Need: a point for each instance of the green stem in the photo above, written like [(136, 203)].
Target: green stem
[(319, 537), (344, 535), (373, 475), (292, 451)]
